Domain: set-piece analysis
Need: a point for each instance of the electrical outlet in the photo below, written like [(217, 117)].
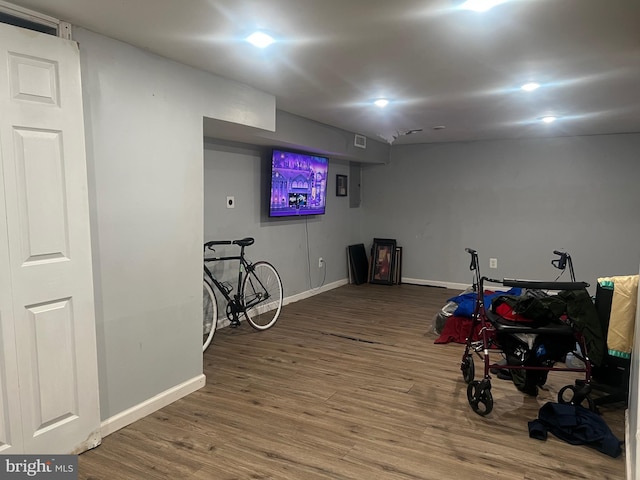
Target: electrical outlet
[(493, 263), (320, 262)]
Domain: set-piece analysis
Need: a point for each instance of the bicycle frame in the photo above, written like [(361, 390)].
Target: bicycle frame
[(236, 302)]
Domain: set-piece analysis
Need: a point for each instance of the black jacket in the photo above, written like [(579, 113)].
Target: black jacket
[(583, 312)]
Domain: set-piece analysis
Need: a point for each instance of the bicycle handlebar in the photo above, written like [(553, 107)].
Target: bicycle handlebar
[(211, 243)]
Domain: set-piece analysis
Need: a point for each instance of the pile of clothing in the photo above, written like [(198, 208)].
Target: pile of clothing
[(453, 322)]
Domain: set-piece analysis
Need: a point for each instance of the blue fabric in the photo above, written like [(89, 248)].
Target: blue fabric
[(575, 425), (467, 301)]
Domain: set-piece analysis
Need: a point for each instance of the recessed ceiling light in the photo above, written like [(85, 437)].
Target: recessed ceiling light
[(260, 39), (480, 5), (530, 87), (549, 118), (381, 102)]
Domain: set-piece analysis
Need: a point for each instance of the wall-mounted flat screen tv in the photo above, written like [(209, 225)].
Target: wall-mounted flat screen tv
[(298, 184)]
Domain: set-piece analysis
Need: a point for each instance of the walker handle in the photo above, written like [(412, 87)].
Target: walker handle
[(560, 263), (474, 258)]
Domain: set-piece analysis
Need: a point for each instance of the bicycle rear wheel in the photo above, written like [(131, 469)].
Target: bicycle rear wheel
[(262, 294), (209, 314)]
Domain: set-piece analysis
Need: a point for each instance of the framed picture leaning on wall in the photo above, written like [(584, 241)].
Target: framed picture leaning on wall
[(383, 255)]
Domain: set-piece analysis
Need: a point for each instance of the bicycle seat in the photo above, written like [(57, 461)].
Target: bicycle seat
[(244, 242)]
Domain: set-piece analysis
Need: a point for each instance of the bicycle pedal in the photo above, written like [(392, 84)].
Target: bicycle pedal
[(234, 324)]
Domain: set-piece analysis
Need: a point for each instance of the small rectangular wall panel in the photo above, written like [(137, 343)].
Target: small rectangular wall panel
[(42, 195), (33, 79), (53, 365)]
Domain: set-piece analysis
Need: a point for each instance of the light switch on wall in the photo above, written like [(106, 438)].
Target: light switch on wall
[(231, 202)]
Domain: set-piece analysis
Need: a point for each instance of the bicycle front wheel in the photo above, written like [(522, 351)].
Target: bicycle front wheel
[(262, 294), (209, 314)]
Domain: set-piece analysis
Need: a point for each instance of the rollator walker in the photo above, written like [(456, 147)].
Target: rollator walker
[(523, 346)]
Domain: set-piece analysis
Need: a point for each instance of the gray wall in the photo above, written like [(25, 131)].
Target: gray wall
[(295, 132), (153, 203), (143, 117), (292, 245), (515, 200)]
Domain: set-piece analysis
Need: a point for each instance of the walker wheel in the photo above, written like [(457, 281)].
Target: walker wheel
[(576, 396), (468, 369), (480, 399)]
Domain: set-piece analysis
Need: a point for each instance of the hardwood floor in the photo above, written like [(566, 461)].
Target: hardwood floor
[(347, 385)]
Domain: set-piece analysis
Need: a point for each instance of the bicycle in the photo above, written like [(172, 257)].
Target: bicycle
[(258, 297)]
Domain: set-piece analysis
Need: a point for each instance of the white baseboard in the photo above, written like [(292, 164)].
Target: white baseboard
[(224, 322), (315, 291), (436, 283), (130, 415)]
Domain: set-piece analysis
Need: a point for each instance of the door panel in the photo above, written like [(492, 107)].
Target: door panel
[(52, 351), (33, 79), (41, 201), (49, 253)]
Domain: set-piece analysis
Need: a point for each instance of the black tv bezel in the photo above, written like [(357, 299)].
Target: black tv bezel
[(270, 183)]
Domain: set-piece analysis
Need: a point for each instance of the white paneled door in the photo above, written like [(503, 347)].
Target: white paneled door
[(48, 366)]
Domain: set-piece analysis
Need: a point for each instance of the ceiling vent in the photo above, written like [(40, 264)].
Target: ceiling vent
[(360, 141)]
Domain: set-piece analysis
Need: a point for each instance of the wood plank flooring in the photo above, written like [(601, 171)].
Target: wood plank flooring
[(347, 385)]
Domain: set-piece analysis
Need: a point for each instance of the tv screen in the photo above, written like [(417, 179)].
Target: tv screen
[(298, 184)]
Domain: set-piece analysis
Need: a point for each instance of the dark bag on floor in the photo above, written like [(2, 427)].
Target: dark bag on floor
[(576, 425)]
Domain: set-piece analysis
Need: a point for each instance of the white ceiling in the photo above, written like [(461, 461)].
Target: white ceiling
[(439, 65)]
